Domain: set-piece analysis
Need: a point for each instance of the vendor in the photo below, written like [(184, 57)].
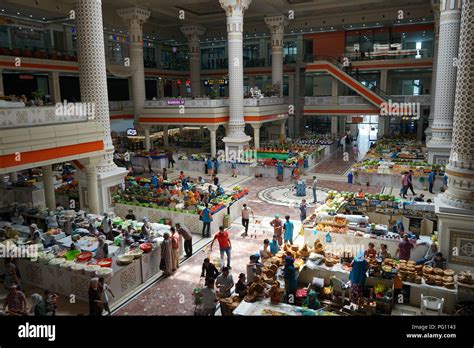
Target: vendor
[(69, 225), (311, 300), (277, 225), (265, 250), (274, 247), (52, 220), (130, 215), (106, 226), (371, 252), (358, 276), (404, 248), (419, 198), (279, 171), (291, 283), (75, 243), (254, 267), (102, 249), (146, 229), (10, 232), (17, 218), (383, 252), (201, 181), (429, 256), (209, 270), (398, 228), (35, 235), (438, 261)]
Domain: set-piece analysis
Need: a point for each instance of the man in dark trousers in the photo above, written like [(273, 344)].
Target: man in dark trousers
[(188, 239)]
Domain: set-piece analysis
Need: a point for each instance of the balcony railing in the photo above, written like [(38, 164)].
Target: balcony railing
[(358, 100), (36, 116), (210, 103), (264, 101)]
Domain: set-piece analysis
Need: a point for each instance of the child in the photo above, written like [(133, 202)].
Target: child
[(51, 302), (383, 252)]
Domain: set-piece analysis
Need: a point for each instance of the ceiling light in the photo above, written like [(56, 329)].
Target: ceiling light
[(332, 27), (3, 10), (44, 18), (424, 19), (31, 16), (18, 13), (411, 20), (113, 29)]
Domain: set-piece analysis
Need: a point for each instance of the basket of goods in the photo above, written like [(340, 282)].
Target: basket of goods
[(465, 278), (146, 247), (104, 272), (428, 270), (438, 271), (256, 290), (105, 262), (136, 253), (303, 252), (72, 254), (276, 293), (57, 261), (268, 276), (67, 264), (84, 256), (78, 267), (91, 269), (124, 260)]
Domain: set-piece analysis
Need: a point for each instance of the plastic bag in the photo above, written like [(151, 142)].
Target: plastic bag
[(328, 238)]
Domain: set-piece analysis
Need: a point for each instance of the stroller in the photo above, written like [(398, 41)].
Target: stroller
[(257, 225)]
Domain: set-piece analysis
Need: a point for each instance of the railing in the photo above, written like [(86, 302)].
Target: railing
[(193, 103), (357, 100), (422, 99), (264, 101), (36, 116), (120, 105)]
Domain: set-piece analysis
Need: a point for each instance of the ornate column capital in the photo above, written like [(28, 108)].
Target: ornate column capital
[(193, 32), (277, 24), (450, 11), (235, 7), (135, 17)]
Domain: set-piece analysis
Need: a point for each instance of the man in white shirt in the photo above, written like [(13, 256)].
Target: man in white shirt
[(314, 186), (265, 250), (246, 218), (209, 299)]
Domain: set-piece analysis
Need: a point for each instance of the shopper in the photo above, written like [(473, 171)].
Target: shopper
[(277, 225), (431, 180), (175, 248), (233, 166), (106, 226), (246, 211), (167, 261), (274, 247), (11, 275), (95, 298), (188, 239), (37, 305), (279, 171), (265, 250), (164, 175), (303, 210), (206, 218), (216, 166), (209, 271), (210, 167), (216, 180), (209, 299), (358, 276), (288, 226), (171, 161), (241, 287), (404, 248), (225, 246), (314, 186), (290, 280), (224, 283), (355, 152), (404, 181), (429, 255), (15, 302), (410, 182), (105, 289), (145, 232)]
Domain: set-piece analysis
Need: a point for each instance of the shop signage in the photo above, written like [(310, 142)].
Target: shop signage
[(132, 132), (357, 119), (26, 77), (175, 101), (221, 82)]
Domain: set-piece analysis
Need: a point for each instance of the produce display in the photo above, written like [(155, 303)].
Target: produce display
[(70, 190), (334, 225)]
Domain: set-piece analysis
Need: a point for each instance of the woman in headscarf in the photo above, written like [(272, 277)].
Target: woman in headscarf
[(146, 229), (290, 279), (357, 276), (167, 261), (38, 307), (95, 298), (52, 220)]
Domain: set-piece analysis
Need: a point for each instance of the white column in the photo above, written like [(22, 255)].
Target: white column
[(92, 74), (460, 169), (277, 25), (256, 135), (193, 33), (130, 88), (54, 87), (283, 129), (165, 136), (381, 126), (442, 128), (212, 131), (237, 139), (383, 120), (291, 101), (92, 190), (48, 183), (428, 130), (383, 79), (135, 17), (334, 123), (2, 90), (147, 138)]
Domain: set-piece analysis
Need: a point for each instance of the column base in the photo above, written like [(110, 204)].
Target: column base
[(105, 182), (235, 147), (455, 235), (438, 154)]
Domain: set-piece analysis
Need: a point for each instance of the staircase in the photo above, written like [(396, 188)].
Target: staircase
[(333, 67)]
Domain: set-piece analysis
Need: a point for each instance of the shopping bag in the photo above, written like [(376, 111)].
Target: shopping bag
[(328, 238)]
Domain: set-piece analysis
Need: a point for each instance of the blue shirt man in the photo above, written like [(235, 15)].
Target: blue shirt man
[(288, 226), (154, 181), (274, 247)]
